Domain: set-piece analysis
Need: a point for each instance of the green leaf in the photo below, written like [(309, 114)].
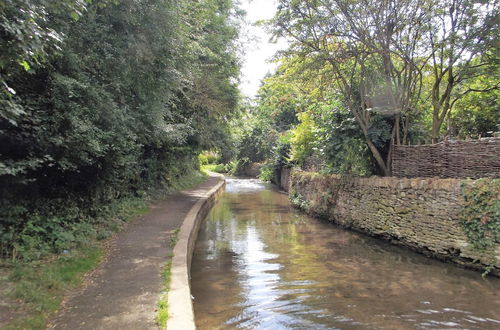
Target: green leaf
[(74, 15), (25, 65)]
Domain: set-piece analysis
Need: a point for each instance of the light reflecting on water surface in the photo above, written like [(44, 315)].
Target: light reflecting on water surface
[(260, 264)]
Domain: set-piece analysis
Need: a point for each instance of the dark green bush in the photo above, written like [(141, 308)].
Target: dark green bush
[(121, 103)]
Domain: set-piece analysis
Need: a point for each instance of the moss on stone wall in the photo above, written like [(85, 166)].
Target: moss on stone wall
[(480, 215)]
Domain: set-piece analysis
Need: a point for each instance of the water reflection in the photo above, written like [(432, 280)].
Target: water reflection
[(244, 185), (259, 263)]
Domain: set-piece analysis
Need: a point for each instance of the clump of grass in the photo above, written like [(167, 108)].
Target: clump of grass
[(162, 312), (218, 168), (174, 237), (41, 285)]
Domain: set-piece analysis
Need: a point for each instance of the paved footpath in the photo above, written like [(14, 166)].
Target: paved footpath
[(124, 290)]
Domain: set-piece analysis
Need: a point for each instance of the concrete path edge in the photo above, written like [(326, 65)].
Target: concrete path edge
[(180, 306)]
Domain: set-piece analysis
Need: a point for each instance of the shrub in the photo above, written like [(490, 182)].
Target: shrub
[(208, 157), (266, 173), (218, 168)]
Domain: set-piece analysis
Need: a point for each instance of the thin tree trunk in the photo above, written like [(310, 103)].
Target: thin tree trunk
[(405, 130), (378, 158), (396, 128)]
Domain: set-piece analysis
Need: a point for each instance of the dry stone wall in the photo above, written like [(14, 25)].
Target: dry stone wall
[(422, 214)]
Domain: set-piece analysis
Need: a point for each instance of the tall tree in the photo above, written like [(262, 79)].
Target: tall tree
[(30, 31), (379, 52), (212, 92), (357, 39), (121, 99), (462, 39)]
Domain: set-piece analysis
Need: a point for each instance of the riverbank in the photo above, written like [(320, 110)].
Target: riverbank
[(32, 292), (425, 215)]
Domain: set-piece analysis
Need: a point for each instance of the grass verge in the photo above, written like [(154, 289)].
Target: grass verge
[(39, 287), (218, 168), (162, 312), (30, 292), (189, 181)]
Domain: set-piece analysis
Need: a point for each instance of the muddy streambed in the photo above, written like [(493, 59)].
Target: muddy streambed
[(260, 264)]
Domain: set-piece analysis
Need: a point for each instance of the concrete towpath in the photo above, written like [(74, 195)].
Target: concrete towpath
[(123, 292)]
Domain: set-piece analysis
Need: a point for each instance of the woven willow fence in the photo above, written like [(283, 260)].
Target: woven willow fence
[(449, 159)]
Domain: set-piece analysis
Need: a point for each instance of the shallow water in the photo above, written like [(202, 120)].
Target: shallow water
[(260, 264)]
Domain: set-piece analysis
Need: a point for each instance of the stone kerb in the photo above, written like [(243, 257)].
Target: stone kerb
[(181, 315)]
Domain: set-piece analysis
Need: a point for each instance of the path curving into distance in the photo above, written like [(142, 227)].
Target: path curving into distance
[(124, 290)]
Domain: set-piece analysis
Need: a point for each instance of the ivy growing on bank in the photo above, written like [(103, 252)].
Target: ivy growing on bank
[(480, 216)]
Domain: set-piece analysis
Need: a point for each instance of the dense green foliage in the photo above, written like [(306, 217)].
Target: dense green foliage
[(299, 120), (360, 76), (476, 114), (31, 31), (103, 100)]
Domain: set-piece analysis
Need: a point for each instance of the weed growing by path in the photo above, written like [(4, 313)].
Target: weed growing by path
[(218, 168), (41, 285), (162, 312)]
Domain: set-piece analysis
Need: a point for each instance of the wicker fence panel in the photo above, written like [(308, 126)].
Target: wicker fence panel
[(449, 159)]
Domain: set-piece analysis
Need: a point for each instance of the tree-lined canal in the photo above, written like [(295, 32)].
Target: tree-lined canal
[(259, 263)]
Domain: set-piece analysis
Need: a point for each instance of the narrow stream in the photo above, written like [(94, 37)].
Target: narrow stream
[(260, 264)]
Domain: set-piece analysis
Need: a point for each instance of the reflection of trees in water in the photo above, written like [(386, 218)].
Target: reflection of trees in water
[(329, 271), (214, 279)]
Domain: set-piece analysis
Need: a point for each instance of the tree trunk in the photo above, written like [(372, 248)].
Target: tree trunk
[(397, 130), (363, 123), (378, 158)]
